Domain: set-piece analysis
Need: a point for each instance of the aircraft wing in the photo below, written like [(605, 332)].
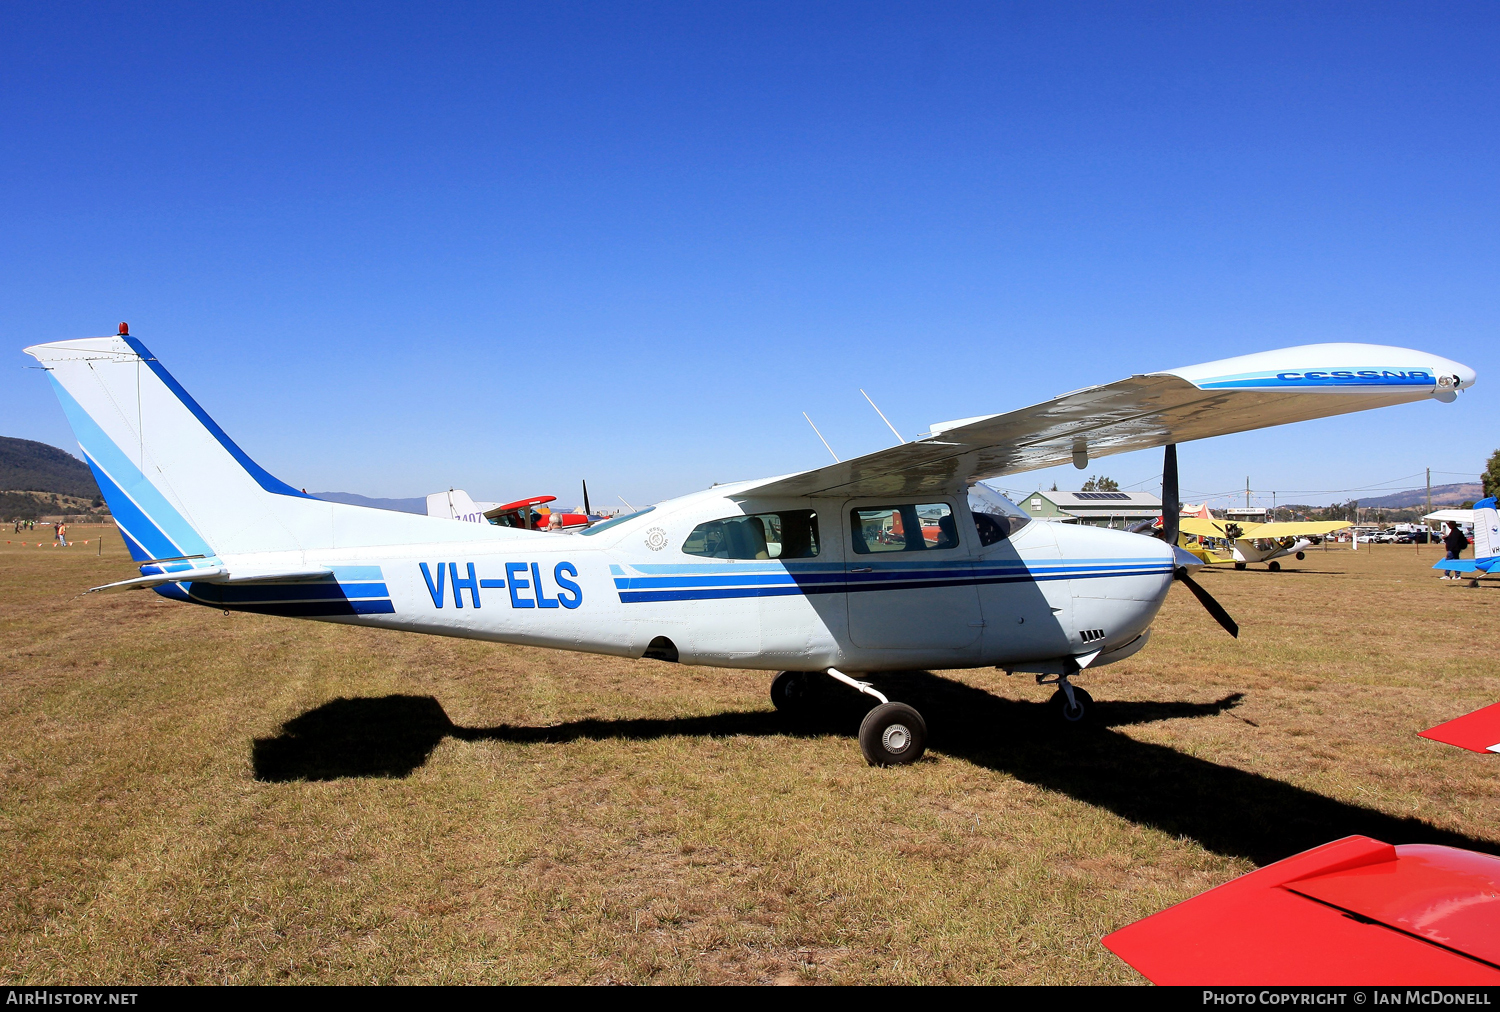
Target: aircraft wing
[(1152, 409), (1297, 529), (1201, 528), (1478, 731), (1355, 911)]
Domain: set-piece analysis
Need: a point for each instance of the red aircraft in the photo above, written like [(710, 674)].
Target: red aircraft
[(1355, 911)]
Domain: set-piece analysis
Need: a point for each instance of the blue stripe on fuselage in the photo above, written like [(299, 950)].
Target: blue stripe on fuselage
[(713, 583)]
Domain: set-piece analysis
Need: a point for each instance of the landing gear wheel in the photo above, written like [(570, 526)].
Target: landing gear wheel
[(1239, 565), (1274, 567), (1080, 714), (1301, 556), (789, 692), (893, 734)]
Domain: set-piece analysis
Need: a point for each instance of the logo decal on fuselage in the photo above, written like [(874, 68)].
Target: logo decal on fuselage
[(522, 579)]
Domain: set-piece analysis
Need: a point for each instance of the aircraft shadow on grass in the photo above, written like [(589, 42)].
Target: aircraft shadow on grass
[(1227, 810)]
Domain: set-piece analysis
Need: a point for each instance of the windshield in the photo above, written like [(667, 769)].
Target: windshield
[(983, 499), (995, 516), (616, 521)]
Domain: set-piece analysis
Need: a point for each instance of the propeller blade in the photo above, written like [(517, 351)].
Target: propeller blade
[(1171, 504), (1213, 607), (585, 498)]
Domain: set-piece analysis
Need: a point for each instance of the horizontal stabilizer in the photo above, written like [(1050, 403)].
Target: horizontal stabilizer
[(221, 575), (1476, 566)]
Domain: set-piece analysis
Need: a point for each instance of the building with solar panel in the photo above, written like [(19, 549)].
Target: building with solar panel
[(1098, 509)]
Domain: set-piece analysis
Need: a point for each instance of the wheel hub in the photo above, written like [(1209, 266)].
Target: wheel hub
[(896, 738)]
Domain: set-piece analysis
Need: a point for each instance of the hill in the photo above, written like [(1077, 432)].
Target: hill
[(1442, 495), (29, 466)]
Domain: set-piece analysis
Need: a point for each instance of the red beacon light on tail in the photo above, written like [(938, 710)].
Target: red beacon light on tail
[(124, 330)]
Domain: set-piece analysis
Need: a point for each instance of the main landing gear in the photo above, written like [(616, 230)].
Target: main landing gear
[(892, 734)]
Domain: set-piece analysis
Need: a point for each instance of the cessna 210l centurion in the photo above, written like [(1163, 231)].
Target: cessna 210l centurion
[(891, 561)]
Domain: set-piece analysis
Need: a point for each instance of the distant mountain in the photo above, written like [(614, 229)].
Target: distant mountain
[(29, 466), (1442, 495), (399, 505)]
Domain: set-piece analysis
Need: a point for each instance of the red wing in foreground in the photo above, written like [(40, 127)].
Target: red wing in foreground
[(1355, 911), (1478, 731)]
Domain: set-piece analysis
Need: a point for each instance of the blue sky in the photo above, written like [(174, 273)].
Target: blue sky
[(398, 248)]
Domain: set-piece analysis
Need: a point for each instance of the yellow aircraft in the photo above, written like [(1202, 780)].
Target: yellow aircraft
[(1244, 543)]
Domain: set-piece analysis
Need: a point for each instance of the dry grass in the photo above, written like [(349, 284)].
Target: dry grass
[(192, 797)]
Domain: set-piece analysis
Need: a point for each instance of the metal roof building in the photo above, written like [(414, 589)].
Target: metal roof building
[(1099, 509)]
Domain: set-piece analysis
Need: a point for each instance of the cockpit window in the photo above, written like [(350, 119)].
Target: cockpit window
[(995, 517), (616, 521), (792, 534), (903, 528)]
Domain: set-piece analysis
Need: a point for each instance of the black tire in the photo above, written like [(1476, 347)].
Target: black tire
[(1239, 565), (893, 734), (790, 691), (1083, 714), (1274, 567), (1301, 556)]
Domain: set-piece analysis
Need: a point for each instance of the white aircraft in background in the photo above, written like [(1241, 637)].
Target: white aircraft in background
[(891, 561), (455, 504)]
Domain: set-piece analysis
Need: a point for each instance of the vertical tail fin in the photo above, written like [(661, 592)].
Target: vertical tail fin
[(177, 485), (1486, 529)]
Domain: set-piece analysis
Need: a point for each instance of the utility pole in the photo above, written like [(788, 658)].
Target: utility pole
[(1247, 491)]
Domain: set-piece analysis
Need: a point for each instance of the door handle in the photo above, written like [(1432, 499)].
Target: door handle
[(866, 569)]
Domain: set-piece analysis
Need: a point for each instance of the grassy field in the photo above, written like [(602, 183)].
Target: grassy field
[(188, 796)]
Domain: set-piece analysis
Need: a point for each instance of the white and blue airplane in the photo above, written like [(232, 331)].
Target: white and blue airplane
[(896, 560), (1486, 544)]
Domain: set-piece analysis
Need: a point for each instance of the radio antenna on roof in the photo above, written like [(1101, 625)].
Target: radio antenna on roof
[(825, 442), (884, 419)]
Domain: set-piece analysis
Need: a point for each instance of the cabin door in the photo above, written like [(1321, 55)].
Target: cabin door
[(910, 576)]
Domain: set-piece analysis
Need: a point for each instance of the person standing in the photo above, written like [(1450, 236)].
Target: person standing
[(1455, 542), (62, 535)]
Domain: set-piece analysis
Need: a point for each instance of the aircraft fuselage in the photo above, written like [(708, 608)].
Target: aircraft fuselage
[(1034, 600)]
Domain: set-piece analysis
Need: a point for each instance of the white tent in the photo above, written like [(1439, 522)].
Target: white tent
[(1457, 516)]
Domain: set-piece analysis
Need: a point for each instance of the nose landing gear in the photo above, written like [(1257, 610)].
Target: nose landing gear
[(1069, 705)]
